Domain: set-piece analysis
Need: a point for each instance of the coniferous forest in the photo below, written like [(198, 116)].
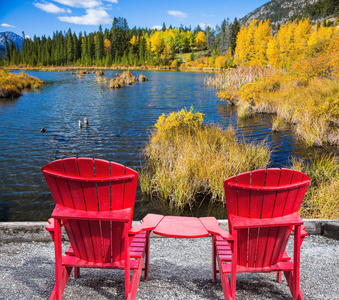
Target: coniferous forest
[(122, 46)]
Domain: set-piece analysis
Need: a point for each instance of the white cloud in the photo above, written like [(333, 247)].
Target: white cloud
[(159, 27), (51, 8), (80, 3), (92, 17), (7, 25), (84, 3), (203, 25), (177, 13)]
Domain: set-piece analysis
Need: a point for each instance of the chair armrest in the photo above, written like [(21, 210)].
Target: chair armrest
[(121, 215), (303, 231), (242, 222), (50, 226), (148, 223), (213, 227)]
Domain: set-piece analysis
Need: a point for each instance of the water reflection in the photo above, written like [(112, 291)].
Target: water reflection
[(120, 123)]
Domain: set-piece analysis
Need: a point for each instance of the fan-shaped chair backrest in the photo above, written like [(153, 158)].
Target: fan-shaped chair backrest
[(263, 194), (92, 185)]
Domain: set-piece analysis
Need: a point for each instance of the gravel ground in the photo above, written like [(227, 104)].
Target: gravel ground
[(179, 269)]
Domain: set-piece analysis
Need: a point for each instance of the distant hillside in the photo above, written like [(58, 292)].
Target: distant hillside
[(280, 11), (16, 39)]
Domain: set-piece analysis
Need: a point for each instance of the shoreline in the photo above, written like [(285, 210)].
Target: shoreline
[(135, 68)]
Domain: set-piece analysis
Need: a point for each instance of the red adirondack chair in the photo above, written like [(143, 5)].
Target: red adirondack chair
[(94, 201), (262, 208)]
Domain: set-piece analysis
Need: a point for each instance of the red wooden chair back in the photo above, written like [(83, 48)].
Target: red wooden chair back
[(93, 185), (264, 194)]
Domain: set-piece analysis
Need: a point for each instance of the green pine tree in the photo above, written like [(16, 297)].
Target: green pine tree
[(7, 53), (70, 47), (99, 46), (235, 28)]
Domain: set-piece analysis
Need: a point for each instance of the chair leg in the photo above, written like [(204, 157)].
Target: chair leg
[(127, 258), (234, 247), (61, 273), (214, 264), (230, 289), (226, 287), (279, 276), (292, 277), (60, 285), (135, 281), (289, 275), (146, 268), (76, 272)]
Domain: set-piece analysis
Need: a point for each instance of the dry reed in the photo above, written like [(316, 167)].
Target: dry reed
[(322, 197), (235, 78), (187, 163)]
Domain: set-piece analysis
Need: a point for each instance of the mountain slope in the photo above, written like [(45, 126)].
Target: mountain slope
[(16, 39), (280, 11)]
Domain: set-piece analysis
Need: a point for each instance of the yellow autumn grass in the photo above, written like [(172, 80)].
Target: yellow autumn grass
[(313, 108), (186, 162), (312, 105), (11, 84), (322, 197)]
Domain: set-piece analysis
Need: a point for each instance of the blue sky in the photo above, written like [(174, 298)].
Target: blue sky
[(46, 16)]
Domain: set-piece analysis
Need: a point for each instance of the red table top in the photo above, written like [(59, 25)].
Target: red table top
[(181, 227)]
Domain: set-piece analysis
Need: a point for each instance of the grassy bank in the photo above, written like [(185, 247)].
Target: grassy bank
[(310, 104), (187, 159), (322, 197), (11, 85)]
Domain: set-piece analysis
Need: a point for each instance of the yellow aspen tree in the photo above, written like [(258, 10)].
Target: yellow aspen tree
[(246, 51), (157, 42), (220, 62), (250, 42), (262, 35), (169, 40), (107, 46), (133, 40), (200, 40), (191, 39), (301, 34), (285, 38), (240, 53), (321, 34), (272, 52)]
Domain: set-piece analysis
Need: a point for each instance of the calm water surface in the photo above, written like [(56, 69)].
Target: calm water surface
[(120, 123)]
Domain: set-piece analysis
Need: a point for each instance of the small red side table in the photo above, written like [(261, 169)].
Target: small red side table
[(180, 227)]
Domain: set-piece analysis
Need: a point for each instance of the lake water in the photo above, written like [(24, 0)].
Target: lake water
[(120, 123)]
